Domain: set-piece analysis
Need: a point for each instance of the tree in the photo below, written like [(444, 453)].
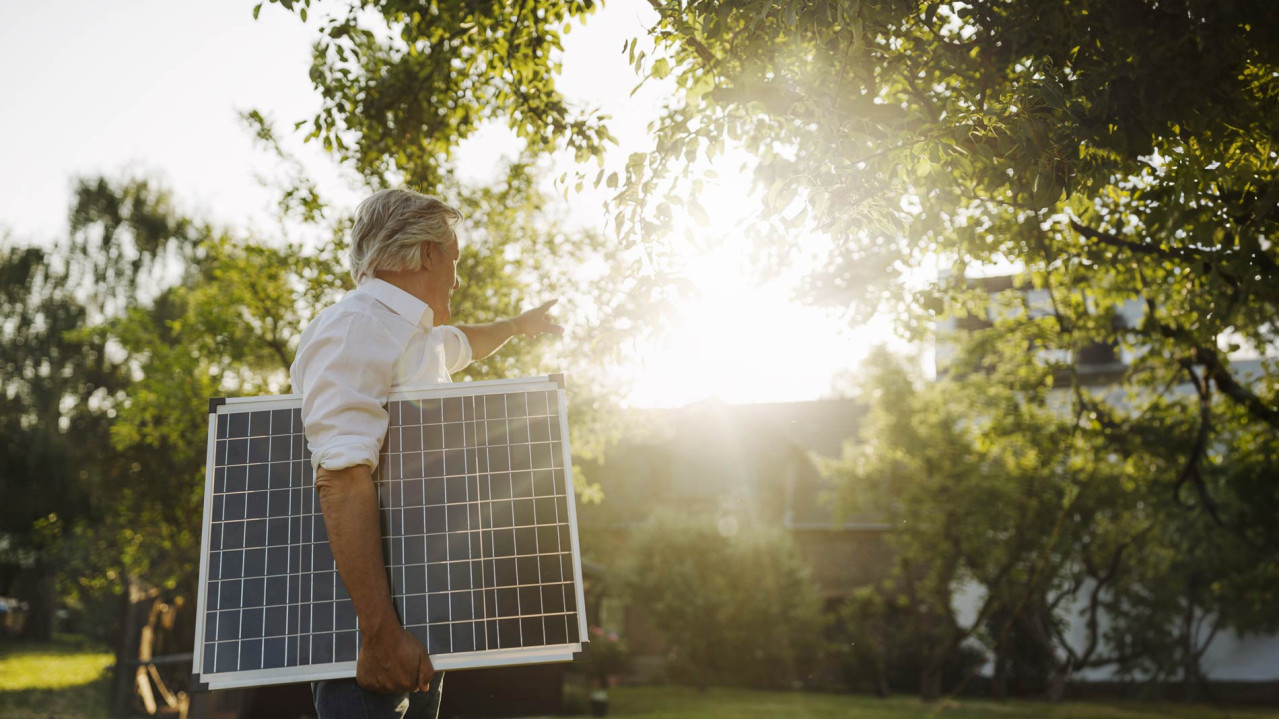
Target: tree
[(735, 608), (403, 83), (995, 487), (971, 478), (1190, 579), (47, 381), (1110, 150), (61, 387)]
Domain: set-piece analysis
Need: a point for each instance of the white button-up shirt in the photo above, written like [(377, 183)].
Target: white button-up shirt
[(350, 357)]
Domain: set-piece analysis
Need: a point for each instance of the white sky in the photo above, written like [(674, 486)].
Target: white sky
[(154, 88)]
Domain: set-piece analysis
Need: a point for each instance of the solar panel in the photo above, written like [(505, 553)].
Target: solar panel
[(475, 493)]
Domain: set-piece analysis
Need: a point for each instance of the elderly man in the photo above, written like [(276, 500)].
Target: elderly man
[(390, 331)]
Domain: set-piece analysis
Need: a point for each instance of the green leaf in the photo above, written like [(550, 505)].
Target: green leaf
[(661, 68), (698, 213)]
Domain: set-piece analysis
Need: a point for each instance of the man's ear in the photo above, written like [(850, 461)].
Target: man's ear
[(425, 252)]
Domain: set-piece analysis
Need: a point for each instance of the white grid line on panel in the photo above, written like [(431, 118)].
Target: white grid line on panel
[(310, 605), (537, 543), (470, 568), (438, 591), (299, 634), (555, 491), (288, 561), (445, 561), (550, 445), (506, 407), (484, 598), (422, 433), (221, 543)]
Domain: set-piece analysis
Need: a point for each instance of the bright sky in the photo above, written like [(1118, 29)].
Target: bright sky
[(153, 88)]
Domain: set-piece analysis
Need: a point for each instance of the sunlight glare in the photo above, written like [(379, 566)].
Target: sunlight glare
[(743, 340)]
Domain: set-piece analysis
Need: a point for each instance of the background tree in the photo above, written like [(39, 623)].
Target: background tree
[(1075, 563), (1108, 150), (735, 608), (61, 388), (43, 416), (402, 83), (971, 477)]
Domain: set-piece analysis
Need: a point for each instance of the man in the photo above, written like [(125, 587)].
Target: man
[(390, 331)]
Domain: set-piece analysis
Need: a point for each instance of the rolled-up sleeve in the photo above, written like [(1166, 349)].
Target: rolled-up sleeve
[(344, 372), (457, 348)]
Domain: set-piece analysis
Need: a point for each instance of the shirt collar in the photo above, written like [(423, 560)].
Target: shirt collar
[(400, 302)]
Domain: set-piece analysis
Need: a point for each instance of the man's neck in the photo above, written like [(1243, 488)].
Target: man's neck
[(412, 282)]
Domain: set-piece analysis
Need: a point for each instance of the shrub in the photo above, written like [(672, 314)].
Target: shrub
[(736, 606)]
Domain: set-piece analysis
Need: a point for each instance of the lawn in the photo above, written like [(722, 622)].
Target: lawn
[(681, 703), (70, 679), (65, 678)]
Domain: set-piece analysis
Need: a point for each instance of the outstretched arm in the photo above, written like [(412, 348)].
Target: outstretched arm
[(488, 338)]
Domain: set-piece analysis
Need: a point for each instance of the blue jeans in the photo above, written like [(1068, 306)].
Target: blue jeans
[(344, 699)]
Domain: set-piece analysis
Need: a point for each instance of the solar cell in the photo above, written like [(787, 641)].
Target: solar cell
[(475, 492)]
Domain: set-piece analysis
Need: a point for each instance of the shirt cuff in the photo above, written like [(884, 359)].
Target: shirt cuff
[(462, 350), (343, 454)]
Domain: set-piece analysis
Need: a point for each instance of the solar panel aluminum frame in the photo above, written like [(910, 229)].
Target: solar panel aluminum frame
[(457, 660)]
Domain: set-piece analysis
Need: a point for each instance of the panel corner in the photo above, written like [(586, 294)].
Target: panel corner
[(197, 686), (558, 378), (583, 654), (214, 403)]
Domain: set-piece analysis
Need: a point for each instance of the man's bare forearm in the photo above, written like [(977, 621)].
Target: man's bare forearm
[(391, 658), (348, 499), (489, 337)]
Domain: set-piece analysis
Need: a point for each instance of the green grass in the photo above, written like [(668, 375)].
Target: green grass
[(64, 678), (67, 678), (682, 703)]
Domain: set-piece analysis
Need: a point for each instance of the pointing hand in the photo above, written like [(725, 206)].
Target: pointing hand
[(535, 322)]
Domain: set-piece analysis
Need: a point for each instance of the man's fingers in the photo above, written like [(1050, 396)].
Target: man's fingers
[(424, 673), (546, 327), (536, 322)]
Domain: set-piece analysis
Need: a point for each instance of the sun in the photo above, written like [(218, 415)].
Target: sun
[(744, 337)]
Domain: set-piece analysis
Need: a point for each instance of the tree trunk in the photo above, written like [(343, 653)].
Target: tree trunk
[(1190, 679), (999, 682), (1057, 680), (1190, 658), (881, 673), (930, 681), (42, 603)]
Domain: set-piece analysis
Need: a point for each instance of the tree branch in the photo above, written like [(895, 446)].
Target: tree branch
[(1190, 471), (1220, 375), (1107, 238), (702, 51), (1230, 387), (1190, 255)]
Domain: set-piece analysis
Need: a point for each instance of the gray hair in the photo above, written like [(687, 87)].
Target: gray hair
[(390, 227)]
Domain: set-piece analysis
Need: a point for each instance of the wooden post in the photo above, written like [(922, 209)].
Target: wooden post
[(135, 609)]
